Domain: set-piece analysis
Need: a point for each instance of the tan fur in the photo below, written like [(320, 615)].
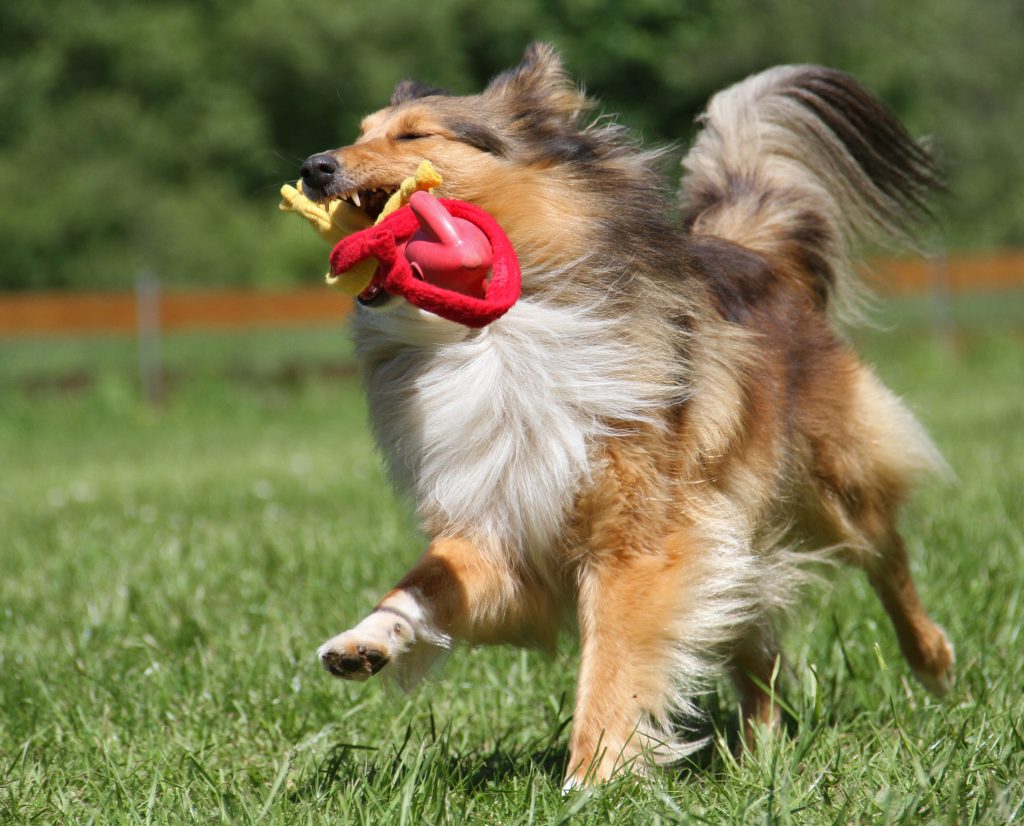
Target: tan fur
[(683, 536), (534, 208), (473, 600)]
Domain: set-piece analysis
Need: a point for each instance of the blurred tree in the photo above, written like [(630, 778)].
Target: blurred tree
[(156, 135)]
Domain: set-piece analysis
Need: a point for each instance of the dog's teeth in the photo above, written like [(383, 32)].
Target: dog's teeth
[(355, 199)]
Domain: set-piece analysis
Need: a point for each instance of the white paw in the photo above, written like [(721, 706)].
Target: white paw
[(363, 651)]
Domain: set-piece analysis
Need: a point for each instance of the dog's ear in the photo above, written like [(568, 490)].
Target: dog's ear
[(409, 89), (542, 81)]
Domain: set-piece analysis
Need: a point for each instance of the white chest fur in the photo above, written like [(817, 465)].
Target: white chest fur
[(490, 430)]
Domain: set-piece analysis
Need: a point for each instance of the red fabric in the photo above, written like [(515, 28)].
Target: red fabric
[(383, 241)]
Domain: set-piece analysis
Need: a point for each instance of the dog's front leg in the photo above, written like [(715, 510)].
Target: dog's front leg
[(628, 616), (455, 591)]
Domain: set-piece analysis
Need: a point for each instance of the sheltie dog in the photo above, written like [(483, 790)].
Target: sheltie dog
[(655, 440)]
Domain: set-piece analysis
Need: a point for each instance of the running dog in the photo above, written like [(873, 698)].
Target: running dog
[(667, 427)]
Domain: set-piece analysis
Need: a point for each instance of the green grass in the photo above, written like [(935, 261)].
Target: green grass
[(167, 576)]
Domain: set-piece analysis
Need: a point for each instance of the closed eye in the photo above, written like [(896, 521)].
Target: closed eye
[(479, 137), (412, 136)]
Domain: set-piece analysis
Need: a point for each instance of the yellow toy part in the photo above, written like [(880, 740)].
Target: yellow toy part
[(332, 221), (339, 219), (425, 179)]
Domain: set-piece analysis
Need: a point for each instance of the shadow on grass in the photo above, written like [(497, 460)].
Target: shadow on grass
[(472, 772), (385, 770), (721, 724)]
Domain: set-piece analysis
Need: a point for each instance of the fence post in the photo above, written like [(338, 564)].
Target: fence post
[(147, 315)]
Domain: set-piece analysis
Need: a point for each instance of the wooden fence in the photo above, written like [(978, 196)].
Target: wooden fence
[(65, 313), (61, 313)]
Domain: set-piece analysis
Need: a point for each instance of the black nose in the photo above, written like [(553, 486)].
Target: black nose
[(318, 173)]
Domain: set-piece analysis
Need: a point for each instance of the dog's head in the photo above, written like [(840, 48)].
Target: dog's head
[(519, 149), (564, 188), (527, 117)]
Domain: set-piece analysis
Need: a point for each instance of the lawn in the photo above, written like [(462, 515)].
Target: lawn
[(168, 574)]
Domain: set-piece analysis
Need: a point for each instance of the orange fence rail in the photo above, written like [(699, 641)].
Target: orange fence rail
[(63, 313), (58, 312), (1003, 271)]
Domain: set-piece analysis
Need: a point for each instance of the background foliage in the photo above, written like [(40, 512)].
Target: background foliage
[(155, 136)]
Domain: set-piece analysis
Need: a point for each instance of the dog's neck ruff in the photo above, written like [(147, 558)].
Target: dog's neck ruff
[(408, 325), (490, 429)]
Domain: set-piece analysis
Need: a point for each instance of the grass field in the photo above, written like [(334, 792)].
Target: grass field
[(167, 576)]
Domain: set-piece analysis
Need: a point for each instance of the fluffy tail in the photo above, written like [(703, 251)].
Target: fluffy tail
[(802, 164)]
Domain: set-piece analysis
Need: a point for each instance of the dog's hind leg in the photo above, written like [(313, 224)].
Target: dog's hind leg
[(863, 477), (925, 646), (455, 591), (862, 519)]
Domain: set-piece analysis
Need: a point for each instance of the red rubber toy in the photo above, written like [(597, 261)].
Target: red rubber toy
[(436, 253)]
